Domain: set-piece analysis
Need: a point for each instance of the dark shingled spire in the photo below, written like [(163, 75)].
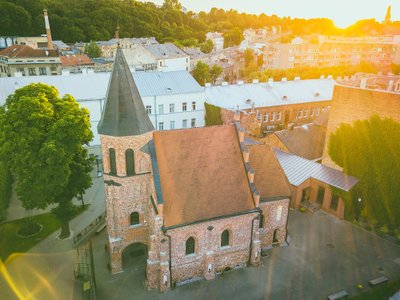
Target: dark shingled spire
[(123, 113)]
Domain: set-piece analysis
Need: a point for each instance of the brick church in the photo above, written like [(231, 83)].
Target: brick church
[(200, 200)]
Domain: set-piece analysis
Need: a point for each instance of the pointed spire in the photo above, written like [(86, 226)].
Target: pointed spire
[(123, 113), (388, 16)]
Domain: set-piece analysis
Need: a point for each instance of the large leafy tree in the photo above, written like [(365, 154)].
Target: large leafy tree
[(92, 50), (41, 141), (201, 73), (370, 150)]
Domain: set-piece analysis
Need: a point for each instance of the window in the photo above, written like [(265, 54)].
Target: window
[(171, 124), (194, 105), (184, 106), (334, 202), (21, 70), (160, 125), (266, 117), (32, 71), (261, 221), (160, 108), (273, 117), (225, 238), (193, 123), (279, 116), (184, 123), (311, 112), (160, 63), (42, 71), (148, 109), (305, 113), (321, 195), (129, 162), (113, 163), (317, 112), (134, 218), (190, 246), (172, 107), (300, 115)]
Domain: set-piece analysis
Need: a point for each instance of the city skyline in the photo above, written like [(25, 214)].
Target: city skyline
[(356, 10)]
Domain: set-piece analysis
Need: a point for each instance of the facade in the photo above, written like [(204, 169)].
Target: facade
[(353, 103), (271, 106), (313, 184), (217, 39), (332, 51), (159, 193), (18, 60)]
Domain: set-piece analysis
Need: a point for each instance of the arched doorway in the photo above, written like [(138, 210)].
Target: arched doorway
[(275, 236), (134, 259)]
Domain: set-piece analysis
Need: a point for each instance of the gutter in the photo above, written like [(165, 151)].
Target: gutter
[(169, 260)]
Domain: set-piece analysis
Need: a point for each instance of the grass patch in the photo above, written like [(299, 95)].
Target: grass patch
[(383, 291), (11, 243)]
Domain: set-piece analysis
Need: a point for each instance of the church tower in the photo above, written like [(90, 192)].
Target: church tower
[(388, 16), (125, 131)]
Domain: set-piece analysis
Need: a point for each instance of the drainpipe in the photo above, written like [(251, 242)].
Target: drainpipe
[(155, 112), (169, 262), (251, 234)]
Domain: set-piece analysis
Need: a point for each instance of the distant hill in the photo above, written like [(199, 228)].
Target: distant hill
[(85, 20)]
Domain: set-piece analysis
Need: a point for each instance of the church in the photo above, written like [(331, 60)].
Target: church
[(200, 200)]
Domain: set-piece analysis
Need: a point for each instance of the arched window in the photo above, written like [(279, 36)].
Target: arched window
[(113, 163), (129, 162), (261, 221), (225, 238), (190, 246), (134, 218)]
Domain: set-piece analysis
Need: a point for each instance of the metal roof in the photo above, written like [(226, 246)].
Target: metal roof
[(269, 94), (123, 112), (298, 170), (166, 83), (167, 50)]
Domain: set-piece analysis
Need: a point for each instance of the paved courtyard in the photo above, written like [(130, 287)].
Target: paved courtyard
[(325, 255)]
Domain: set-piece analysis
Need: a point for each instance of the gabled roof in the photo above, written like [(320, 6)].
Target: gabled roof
[(201, 174), (269, 178), (23, 51), (167, 50), (306, 140), (298, 170), (123, 113), (166, 83), (76, 60)]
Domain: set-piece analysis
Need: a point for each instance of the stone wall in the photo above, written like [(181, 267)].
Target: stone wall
[(209, 257), (275, 218), (350, 104)]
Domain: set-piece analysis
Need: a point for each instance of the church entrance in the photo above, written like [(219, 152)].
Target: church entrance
[(134, 260)]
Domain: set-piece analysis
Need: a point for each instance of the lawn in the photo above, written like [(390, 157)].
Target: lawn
[(383, 291), (10, 242)]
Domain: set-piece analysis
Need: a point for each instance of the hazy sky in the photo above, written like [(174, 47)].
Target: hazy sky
[(342, 12)]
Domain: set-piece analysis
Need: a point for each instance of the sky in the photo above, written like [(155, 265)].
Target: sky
[(342, 12)]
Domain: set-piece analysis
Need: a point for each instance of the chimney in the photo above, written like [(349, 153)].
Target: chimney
[(271, 82), (241, 135), (48, 31), (246, 155), (363, 83), (284, 79), (297, 78), (256, 81), (257, 198), (250, 174)]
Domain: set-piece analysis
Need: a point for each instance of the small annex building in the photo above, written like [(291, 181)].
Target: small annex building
[(198, 199)]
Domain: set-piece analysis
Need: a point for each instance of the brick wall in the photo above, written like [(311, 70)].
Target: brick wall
[(275, 218), (350, 104)]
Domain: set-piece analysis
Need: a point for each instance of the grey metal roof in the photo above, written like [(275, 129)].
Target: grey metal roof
[(123, 113), (167, 50), (166, 83), (298, 170)]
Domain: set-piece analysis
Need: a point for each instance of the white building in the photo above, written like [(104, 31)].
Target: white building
[(217, 39), (165, 95), (160, 57)]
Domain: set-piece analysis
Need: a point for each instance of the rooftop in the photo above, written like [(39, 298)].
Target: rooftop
[(298, 170), (265, 94), (185, 158), (23, 51), (167, 50), (75, 60)]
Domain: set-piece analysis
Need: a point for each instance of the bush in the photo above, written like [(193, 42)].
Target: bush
[(29, 227), (384, 229), (213, 115), (302, 209)]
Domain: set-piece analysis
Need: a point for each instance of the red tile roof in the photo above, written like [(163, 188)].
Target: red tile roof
[(76, 60), (202, 174), (23, 51)]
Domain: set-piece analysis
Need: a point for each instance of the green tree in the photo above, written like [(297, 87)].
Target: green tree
[(92, 50), (41, 140), (215, 73), (207, 46), (15, 20), (213, 115), (233, 37), (201, 73), (370, 151)]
